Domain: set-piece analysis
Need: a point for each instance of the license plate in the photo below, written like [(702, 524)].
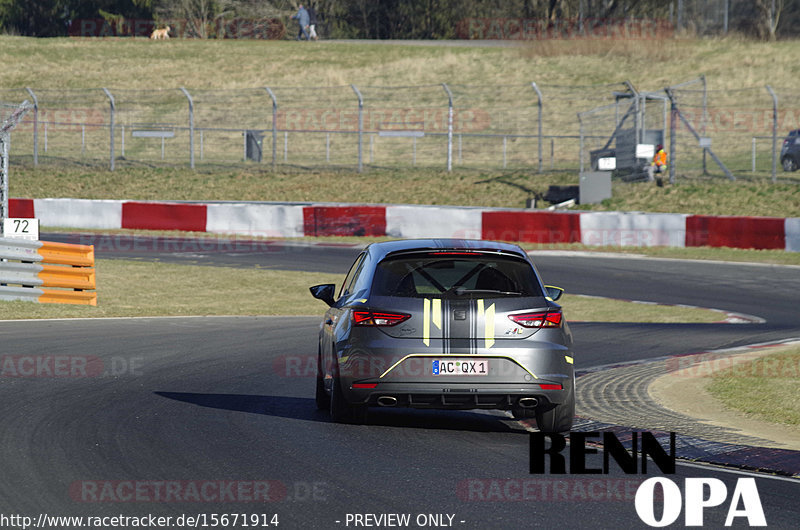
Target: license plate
[(460, 367)]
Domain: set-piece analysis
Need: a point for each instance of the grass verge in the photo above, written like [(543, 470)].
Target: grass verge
[(391, 186), (143, 288), (765, 388)]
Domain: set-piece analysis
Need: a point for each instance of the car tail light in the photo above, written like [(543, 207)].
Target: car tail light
[(540, 319), (372, 385), (373, 318), (550, 387)]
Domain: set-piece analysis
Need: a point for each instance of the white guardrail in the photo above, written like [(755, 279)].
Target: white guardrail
[(46, 272)]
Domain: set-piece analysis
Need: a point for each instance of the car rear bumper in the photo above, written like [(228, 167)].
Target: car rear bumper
[(461, 396)]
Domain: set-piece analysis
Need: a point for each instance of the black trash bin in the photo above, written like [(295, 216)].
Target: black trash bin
[(253, 145)]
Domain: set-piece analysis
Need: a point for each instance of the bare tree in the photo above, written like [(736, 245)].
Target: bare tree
[(769, 15), (198, 16)]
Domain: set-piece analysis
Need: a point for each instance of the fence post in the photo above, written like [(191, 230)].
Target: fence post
[(580, 148), (111, 126), (360, 128), (5, 139), (539, 97), (274, 126), (637, 127), (191, 127), (703, 120), (449, 127), (774, 132), (35, 127), (673, 119)]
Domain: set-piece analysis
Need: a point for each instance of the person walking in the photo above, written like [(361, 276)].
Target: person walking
[(312, 22), (302, 19)]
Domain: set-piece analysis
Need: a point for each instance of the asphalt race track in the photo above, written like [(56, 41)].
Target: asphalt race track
[(188, 416)]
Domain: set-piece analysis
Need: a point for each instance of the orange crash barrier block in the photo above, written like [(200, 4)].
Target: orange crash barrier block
[(56, 296), (67, 254)]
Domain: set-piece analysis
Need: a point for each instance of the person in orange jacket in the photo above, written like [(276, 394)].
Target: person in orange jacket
[(659, 164)]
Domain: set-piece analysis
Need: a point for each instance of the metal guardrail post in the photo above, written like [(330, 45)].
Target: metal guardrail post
[(191, 126), (774, 133), (274, 126), (449, 127), (539, 96), (360, 128), (111, 126), (35, 126)]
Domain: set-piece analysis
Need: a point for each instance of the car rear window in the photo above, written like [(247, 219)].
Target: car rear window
[(441, 275)]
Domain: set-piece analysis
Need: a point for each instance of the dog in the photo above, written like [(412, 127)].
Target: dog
[(160, 34)]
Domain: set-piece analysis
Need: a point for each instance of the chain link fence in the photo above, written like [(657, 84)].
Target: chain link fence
[(530, 127), (10, 116), (744, 128)]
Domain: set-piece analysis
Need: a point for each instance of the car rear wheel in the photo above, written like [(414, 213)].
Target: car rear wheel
[(341, 410), (789, 164), (558, 418)]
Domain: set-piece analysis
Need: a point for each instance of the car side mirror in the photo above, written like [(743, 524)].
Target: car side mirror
[(552, 292), (324, 292)]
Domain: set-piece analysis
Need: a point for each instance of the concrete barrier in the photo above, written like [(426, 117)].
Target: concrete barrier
[(268, 220), (418, 221), (737, 232), (622, 229), (407, 221), (79, 213), (792, 233)]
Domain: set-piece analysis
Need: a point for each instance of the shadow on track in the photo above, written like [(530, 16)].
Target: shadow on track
[(305, 409)]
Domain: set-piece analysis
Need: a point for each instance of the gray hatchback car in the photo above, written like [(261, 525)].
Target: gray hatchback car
[(445, 324), (790, 151)]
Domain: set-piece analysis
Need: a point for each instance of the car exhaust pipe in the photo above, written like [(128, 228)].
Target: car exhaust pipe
[(387, 401), (528, 402)]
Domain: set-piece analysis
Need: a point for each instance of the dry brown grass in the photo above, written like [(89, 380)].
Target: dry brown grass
[(141, 64)]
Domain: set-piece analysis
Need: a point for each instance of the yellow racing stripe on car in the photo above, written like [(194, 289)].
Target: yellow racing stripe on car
[(436, 313), (431, 312), (488, 323), (438, 355), (426, 322)]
